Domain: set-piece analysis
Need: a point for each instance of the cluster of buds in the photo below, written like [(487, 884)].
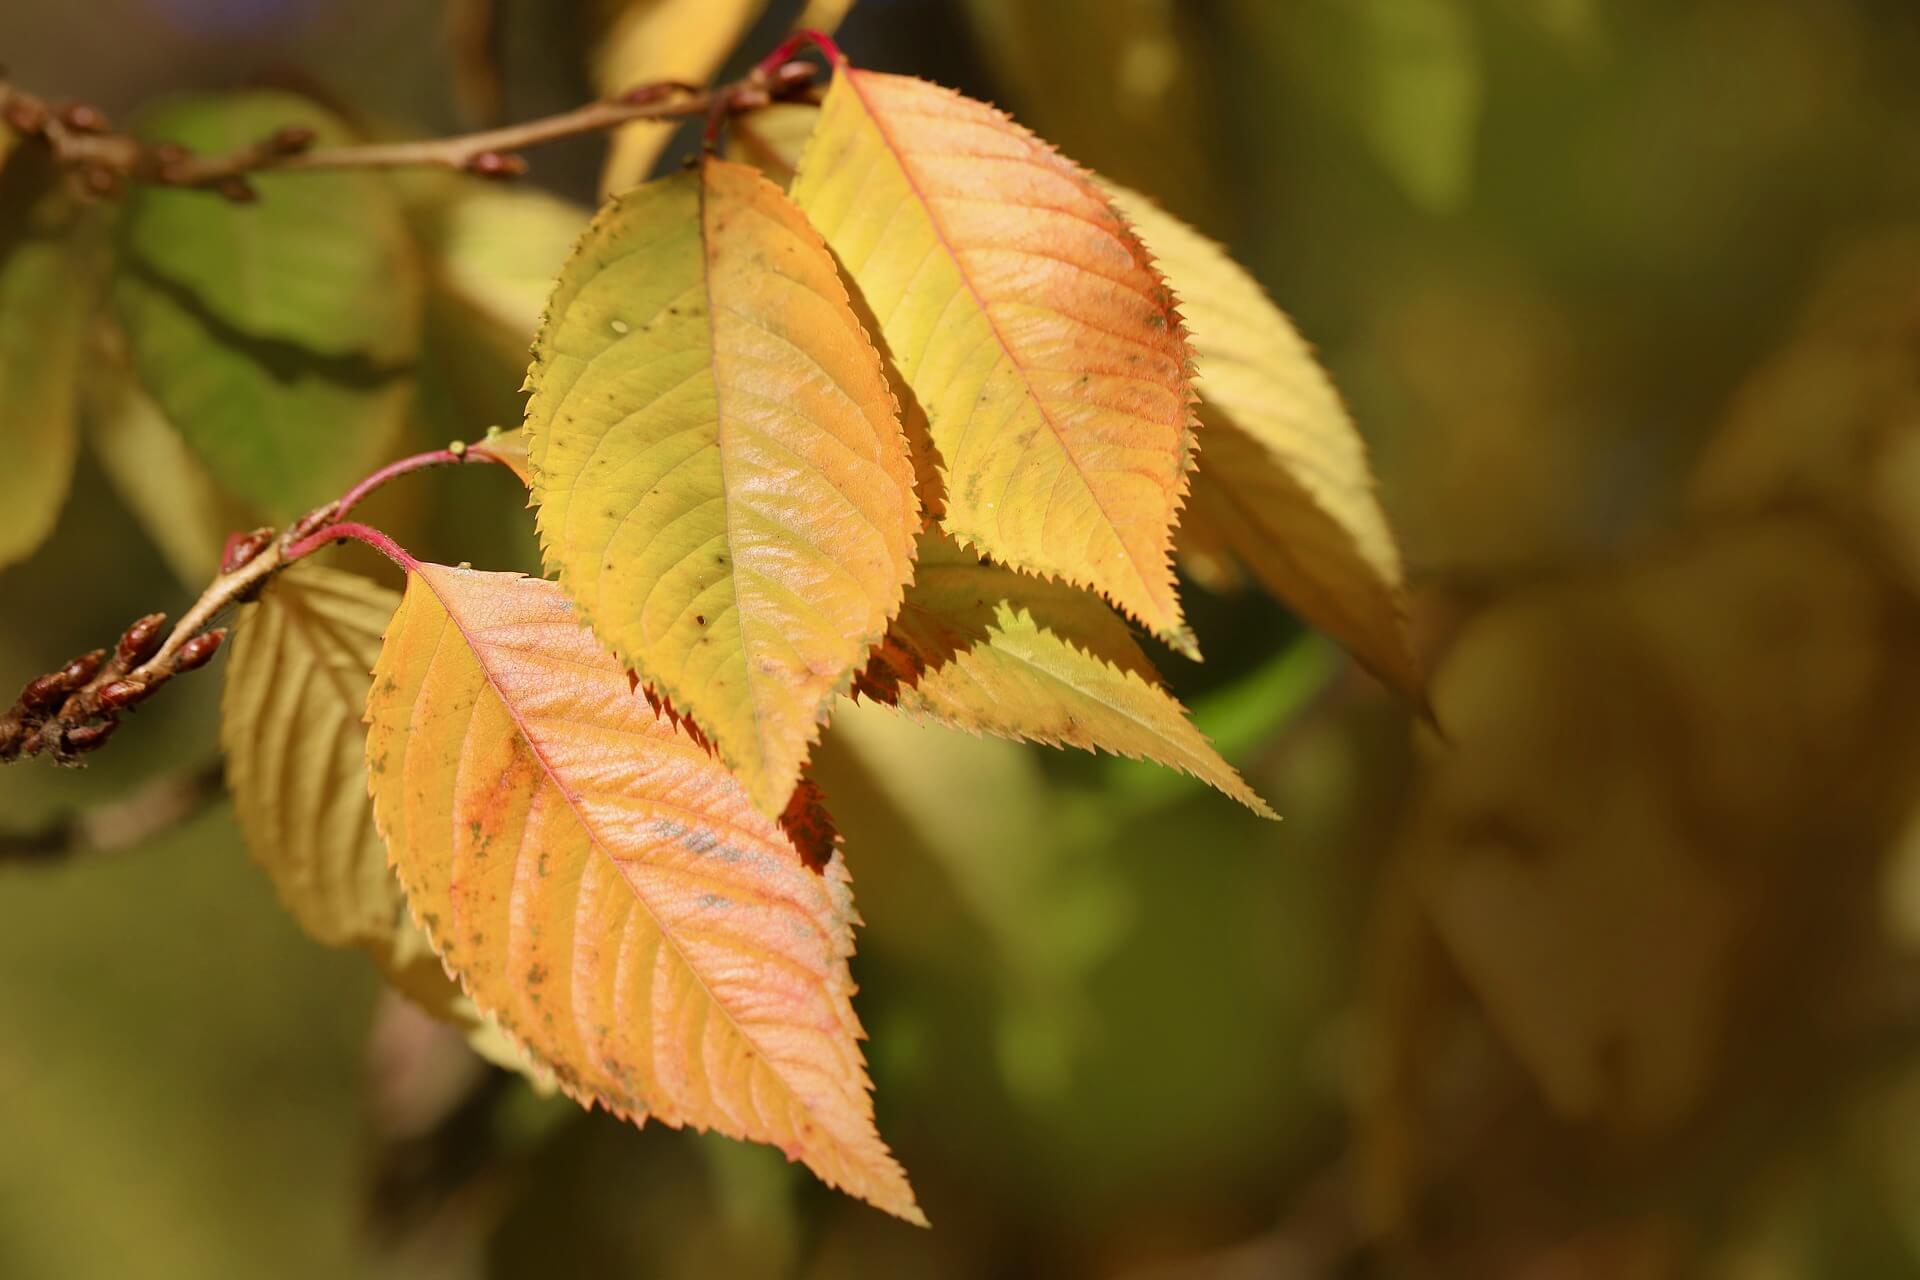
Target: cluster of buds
[(103, 162), (70, 712)]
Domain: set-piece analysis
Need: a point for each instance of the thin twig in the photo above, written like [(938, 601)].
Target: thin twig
[(70, 712), (81, 141)]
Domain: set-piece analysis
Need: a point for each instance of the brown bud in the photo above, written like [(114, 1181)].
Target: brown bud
[(100, 181), (198, 651), (44, 693), (241, 548), (116, 694), (23, 117), (497, 164), (87, 737), (238, 190), (791, 76), (139, 641), (292, 140), (171, 153), (83, 668), (82, 118), (640, 95)]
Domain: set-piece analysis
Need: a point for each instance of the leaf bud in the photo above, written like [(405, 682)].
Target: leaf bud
[(496, 164), (117, 694), (198, 651), (87, 737), (140, 641)]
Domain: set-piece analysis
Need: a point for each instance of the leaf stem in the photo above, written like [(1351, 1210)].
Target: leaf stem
[(770, 66), (306, 545)]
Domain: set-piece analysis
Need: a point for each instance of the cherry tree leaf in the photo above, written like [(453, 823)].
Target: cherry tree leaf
[(48, 272), (184, 511), (291, 726), (608, 892), (1284, 481), (1030, 326), (276, 336), (296, 686), (644, 41), (982, 648), (773, 138), (722, 480)]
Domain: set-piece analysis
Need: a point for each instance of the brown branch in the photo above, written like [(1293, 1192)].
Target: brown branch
[(81, 141)]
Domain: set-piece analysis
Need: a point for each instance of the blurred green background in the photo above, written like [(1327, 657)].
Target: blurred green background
[(1619, 979)]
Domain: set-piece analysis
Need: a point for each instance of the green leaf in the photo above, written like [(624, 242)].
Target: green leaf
[(982, 648), (48, 275), (1419, 94), (278, 335), (185, 512)]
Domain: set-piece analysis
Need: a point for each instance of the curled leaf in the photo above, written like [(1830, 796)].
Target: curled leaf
[(607, 891), (723, 483)]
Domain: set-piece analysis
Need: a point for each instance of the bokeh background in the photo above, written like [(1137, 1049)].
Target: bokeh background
[(1621, 978)]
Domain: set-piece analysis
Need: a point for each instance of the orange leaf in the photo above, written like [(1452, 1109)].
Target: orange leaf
[(1029, 323), (606, 890)]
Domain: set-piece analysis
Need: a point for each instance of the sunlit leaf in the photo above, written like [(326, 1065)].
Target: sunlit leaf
[(607, 891), (48, 275), (183, 509), (1028, 323), (1283, 480), (982, 648), (723, 484), (496, 249), (291, 726), (277, 335), (650, 40)]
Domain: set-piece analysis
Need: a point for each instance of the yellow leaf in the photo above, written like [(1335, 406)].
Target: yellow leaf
[(290, 725), (982, 648), (1029, 324), (607, 891), (1284, 479), (296, 688), (47, 281), (723, 483), (651, 40)]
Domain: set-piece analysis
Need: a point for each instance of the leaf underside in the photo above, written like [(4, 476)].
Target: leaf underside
[(607, 891), (982, 648), (1031, 327), (722, 481)]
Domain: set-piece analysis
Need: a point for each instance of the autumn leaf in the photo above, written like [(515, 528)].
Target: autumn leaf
[(1030, 326), (982, 648), (277, 336), (723, 484), (48, 278), (1284, 480), (607, 891), (291, 713), (296, 685), (644, 41)]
